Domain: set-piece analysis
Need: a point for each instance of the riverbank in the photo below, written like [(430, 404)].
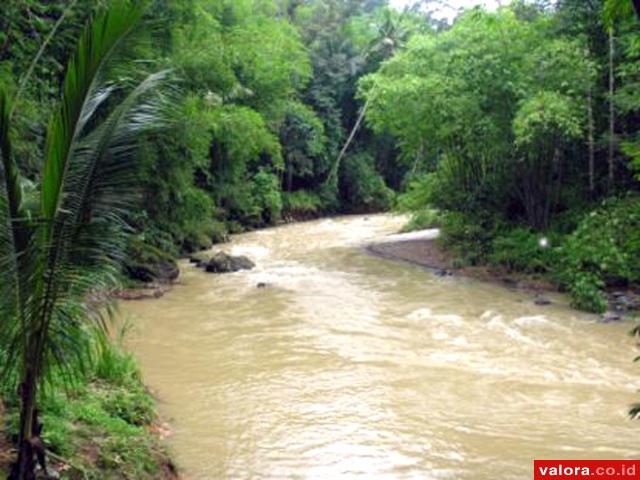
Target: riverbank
[(104, 427), (421, 248)]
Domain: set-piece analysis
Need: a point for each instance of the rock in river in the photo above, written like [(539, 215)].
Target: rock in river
[(540, 300), (200, 259), (610, 317), (223, 263), (147, 264)]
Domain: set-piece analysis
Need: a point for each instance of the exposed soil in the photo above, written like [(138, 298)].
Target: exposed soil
[(426, 253)]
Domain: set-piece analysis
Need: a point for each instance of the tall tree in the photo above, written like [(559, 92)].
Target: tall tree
[(612, 111)]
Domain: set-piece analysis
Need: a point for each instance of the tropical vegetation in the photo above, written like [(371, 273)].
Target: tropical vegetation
[(522, 124), (132, 132)]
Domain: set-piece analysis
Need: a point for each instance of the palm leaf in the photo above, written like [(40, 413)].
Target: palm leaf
[(78, 102), (90, 241)]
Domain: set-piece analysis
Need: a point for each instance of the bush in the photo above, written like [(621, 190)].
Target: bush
[(266, 191), (421, 219), (362, 188), (301, 202), (520, 249), (107, 411), (467, 238), (604, 249), (417, 195), (146, 263), (586, 290)]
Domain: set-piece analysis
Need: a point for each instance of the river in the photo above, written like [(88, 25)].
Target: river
[(351, 366)]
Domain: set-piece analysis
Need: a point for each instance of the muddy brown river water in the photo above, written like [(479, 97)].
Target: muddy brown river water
[(352, 366)]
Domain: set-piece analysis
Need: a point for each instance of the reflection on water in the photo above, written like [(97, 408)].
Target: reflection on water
[(351, 366)]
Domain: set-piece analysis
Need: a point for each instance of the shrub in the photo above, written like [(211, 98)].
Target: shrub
[(417, 195), (266, 191), (107, 411), (586, 289), (362, 187), (520, 249), (467, 237), (301, 202), (421, 219), (604, 249)]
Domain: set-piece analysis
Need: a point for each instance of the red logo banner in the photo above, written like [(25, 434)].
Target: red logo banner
[(582, 469)]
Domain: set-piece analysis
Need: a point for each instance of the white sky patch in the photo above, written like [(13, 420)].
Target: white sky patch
[(449, 8)]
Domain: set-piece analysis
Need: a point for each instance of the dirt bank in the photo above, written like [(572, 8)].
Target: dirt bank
[(420, 248)]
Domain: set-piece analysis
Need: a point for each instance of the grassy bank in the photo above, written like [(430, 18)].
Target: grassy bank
[(104, 426)]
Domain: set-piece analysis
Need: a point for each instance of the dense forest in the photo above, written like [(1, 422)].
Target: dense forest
[(133, 133)]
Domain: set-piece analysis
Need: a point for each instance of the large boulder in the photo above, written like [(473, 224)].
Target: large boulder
[(223, 263), (146, 263)]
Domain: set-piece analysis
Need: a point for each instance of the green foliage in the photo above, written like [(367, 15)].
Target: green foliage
[(422, 219), (603, 249), (417, 195), (546, 117), (267, 196), (268, 93), (523, 250), (494, 125), (362, 187), (468, 238), (112, 363), (51, 266), (303, 143), (587, 292), (269, 56), (108, 412), (302, 203)]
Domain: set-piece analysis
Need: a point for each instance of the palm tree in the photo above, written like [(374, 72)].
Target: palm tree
[(67, 242), (392, 34)]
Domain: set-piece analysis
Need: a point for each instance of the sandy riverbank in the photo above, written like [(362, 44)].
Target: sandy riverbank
[(421, 248)]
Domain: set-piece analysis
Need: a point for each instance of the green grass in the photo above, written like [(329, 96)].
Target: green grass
[(100, 428)]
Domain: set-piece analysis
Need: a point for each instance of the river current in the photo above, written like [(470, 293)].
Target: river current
[(347, 365)]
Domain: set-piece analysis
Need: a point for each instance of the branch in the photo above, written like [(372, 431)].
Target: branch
[(36, 59)]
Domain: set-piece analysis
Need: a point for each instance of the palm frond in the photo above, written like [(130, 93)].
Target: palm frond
[(10, 173), (99, 188), (79, 101)]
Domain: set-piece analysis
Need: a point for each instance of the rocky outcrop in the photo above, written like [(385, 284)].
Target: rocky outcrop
[(224, 263), (147, 264), (624, 301), (162, 271)]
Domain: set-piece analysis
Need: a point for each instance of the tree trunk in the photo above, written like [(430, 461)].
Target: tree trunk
[(290, 176), (354, 130), (611, 107), (636, 7), (30, 443), (591, 143), (24, 469)]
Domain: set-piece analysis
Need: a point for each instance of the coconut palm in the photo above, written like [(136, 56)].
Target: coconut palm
[(392, 34), (65, 239)]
